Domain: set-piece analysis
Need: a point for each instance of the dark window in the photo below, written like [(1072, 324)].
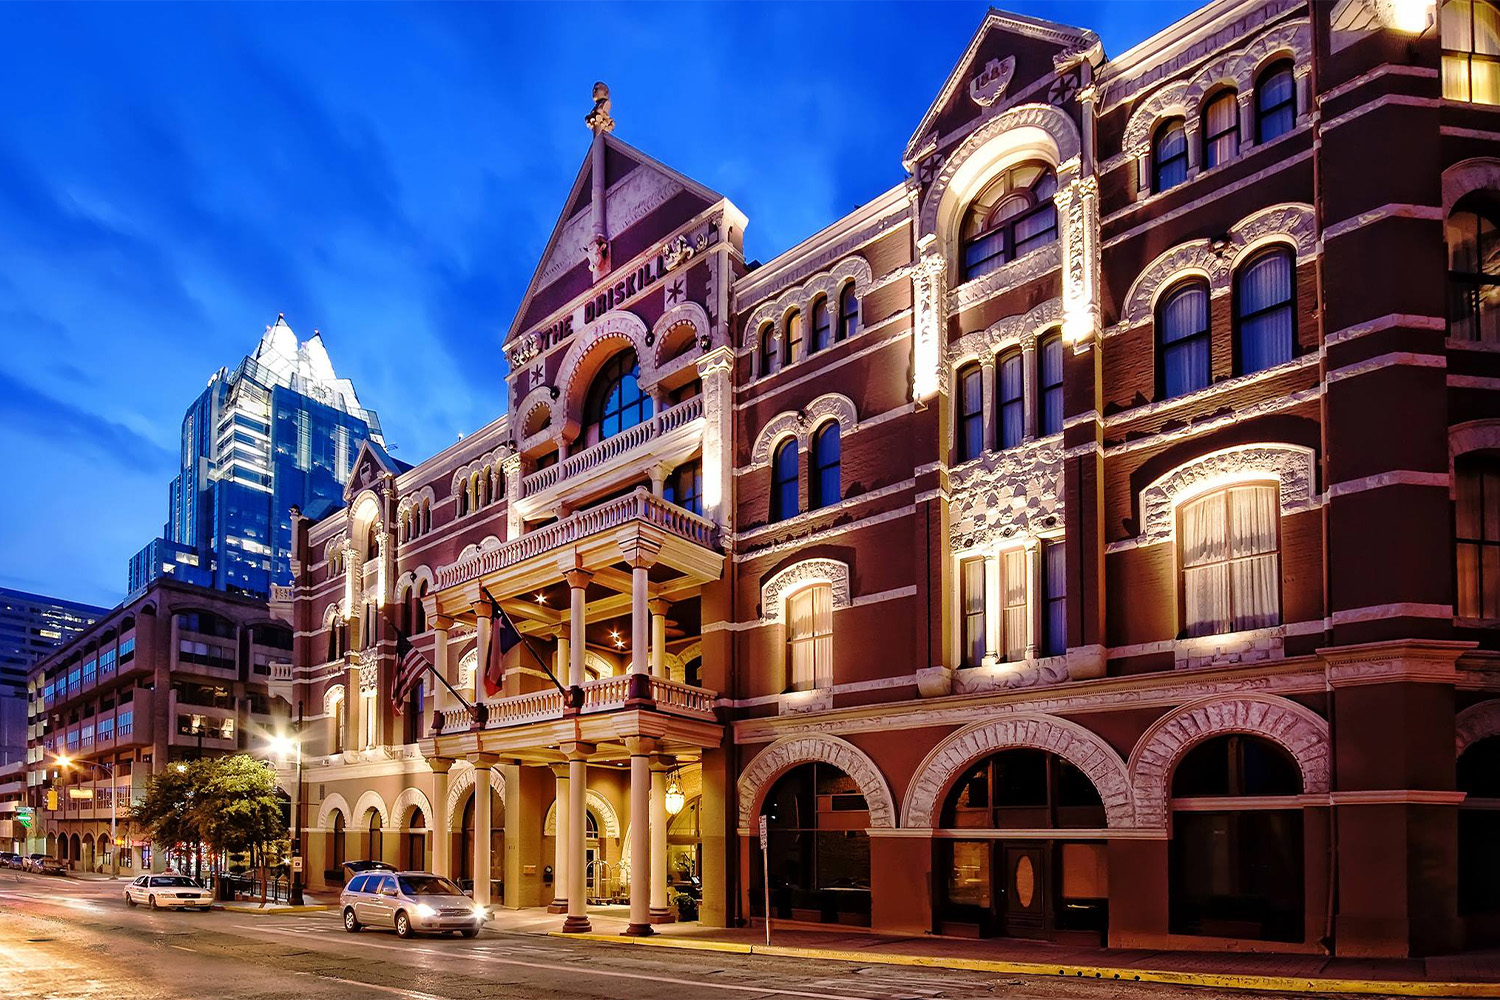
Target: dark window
[(1237, 874), (971, 578), (767, 350), (1470, 31), (1473, 275), (817, 848), (684, 487), (1049, 399), (1476, 536), (1221, 129), (822, 326), (1023, 789), (848, 313), (970, 412), (1169, 155), (616, 402), (1479, 828), (1011, 393), (791, 340), (1275, 102), (1011, 217), (1236, 765), (1264, 313), (823, 487), (1055, 600), (784, 495), (1183, 340)]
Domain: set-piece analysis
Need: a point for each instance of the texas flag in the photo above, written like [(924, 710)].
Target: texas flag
[(503, 638)]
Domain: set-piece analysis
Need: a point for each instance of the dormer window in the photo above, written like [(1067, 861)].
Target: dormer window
[(1011, 217)]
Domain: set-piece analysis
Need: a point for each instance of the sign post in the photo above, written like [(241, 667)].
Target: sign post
[(765, 867)]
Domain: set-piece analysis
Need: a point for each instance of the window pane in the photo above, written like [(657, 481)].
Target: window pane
[(1264, 305), (1454, 25), (1050, 402), (1012, 401), (1221, 130), (1013, 579), (1455, 77), (1486, 30), (1055, 619), (972, 598), (971, 413), (1275, 101)]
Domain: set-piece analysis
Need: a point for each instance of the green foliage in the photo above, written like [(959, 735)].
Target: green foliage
[(164, 812), (226, 803)]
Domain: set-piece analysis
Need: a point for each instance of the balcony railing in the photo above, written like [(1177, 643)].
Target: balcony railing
[(640, 505), (607, 694), (611, 448), (281, 594)]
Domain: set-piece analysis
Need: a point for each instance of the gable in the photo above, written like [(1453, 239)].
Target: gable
[(372, 462)]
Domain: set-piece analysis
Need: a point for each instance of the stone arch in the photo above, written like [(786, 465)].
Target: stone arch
[(816, 748), (781, 585), (335, 803), (536, 418), (601, 666), (801, 424), (1021, 331), (667, 331), (1170, 101), (830, 283), (411, 798), (609, 820), (776, 430), (610, 333), (331, 699), (1469, 436), (370, 800), (1068, 740), (462, 783), (1479, 173), (1475, 723), (1297, 729), (1026, 129), (1293, 466)]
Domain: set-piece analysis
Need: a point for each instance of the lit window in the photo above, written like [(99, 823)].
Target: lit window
[(767, 350), (848, 312), (1275, 102), (1049, 363), (1229, 547), (823, 486), (822, 326), (616, 402), (972, 598), (1473, 274), (1169, 154), (1470, 31), (1264, 320), (809, 616), (791, 340), (1013, 595), (1011, 217), (1221, 130), (1183, 339), (1477, 537), (1010, 391)]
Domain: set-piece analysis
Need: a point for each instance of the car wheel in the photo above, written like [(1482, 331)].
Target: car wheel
[(351, 922), (129, 900), (469, 932), (403, 925), (152, 900)]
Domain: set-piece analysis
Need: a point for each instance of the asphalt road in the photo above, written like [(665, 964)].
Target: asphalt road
[(62, 939)]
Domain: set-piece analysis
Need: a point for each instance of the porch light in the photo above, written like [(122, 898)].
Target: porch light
[(674, 800), (541, 598)]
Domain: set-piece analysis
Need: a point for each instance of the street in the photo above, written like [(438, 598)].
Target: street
[(67, 938)]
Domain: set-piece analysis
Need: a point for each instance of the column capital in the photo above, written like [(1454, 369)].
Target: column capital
[(440, 765), (440, 622), (640, 549), (483, 761), (663, 762), (577, 750), (659, 606), (483, 607), (559, 771), (577, 577), (642, 746), (720, 360)]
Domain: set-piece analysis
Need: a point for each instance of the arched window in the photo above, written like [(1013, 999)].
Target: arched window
[(822, 326), (616, 402), (1221, 129), (1470, 31), (784, 494), (848, 313), (1476, 535), (426, 516), (463, 498), (817, 858), (1011, 217), (1264, 314), (338, 726), (823, 486), (336, 852), (791, 338), (372, 542), (1182, 339), (1011, 400), (1049, 396), (1479, 829), (971, 599), (809, 638), (419, 621), (1473, 274), (333, 643), (767, 350), (1229, 545), (684, 486), (1169, 155), (970, 411), (1275, 102)]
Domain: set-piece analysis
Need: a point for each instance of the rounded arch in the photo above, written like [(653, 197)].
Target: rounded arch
[(774, 592), (536, 418), (462, 783), (365, 508), (1293, 466), (370, 800), (411, 799), (1475, 723), (610, 333), (1068, 740), (335, 803), (677, 329), (1297, 729), (1039, 131), (332, 699), (1479, 174), (789, 751), (802, 423), (771, 314), (609, 820)]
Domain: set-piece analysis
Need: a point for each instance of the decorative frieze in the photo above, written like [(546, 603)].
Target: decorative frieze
[(1004, 495)]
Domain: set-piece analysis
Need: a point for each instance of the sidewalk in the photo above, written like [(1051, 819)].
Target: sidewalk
[(1475, 974)]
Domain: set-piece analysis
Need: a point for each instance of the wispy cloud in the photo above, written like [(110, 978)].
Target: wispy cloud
[(70, 428)]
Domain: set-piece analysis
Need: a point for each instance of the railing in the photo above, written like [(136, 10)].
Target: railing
[(682, 699), (609, 449), (640, 505), (281, 671), (607, 694), (524, 708), (280, 594)]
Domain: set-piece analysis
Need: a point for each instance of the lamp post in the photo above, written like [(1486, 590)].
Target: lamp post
[(281, 746), (114, 846)]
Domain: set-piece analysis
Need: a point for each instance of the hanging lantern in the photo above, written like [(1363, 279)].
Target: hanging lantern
[(674, 799)]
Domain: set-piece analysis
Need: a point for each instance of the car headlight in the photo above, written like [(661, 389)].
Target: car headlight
[(423, 910), (481, 912)]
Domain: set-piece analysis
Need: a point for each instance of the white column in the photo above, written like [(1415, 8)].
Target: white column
[(482, 612), (1029, 378), (659, 638), (640, 552), (661, 910), (1034, 593), (563, 665), (562, 832), (482, 802), (577, 579), (640, 838), (441, 839), (578, 920)]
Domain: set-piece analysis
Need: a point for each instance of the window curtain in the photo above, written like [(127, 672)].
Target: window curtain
[(1184, 340), (1170, 155), (1255, 573), (1221, 126), (1049, 361), (1055, 619), (1012, 402), (1275, 100), (1205, 566), (1013, 575), (1265, 307), (810, 637), (1231, 576), (973, 611)]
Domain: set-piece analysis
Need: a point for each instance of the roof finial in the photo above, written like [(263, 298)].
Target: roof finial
[(598, 119)]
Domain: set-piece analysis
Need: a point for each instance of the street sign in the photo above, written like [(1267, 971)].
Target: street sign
[(765, 867), (24, 817), (764, 840), (296, 864), (80, 793)]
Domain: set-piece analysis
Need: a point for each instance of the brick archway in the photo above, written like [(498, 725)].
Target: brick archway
[(789, 751), (1299, 730), (1068, 740)]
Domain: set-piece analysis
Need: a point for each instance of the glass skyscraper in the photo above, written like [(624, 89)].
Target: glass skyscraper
[(280, 429)]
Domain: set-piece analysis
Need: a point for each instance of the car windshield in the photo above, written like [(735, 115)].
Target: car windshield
[(178, 880), (428, 885)]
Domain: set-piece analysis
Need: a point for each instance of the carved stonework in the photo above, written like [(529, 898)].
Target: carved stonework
[(988, 85), (369, 676), (929, 321), (1300, 731), (773, 592), (607, 331), (1013, 331), (675, 253), (1293, 466), (1070, 741), (785, 754), (801, 425), (1010, 676), (1007, 275), (412, 800), (461, 782), (1006, 494), (829, 283), (1078, 217), (526, 348), (1475, 723)]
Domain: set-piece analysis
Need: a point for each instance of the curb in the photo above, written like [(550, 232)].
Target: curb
[(257, 911), (1224, 981)]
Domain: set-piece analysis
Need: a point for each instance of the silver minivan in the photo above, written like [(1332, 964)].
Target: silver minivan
[(409, 902)]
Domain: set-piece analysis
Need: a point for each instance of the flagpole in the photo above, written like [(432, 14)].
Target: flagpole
[(500, 613)]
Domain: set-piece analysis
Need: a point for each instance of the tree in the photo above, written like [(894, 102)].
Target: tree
[(236, 806), (165, 811)]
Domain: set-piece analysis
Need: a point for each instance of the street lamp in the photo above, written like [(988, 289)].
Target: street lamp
[(281, 746), (64, 761)]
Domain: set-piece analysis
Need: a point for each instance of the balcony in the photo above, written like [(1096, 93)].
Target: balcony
[(608, 694), (619, 446)]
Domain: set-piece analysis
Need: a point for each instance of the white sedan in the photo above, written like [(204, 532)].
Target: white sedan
[(161, 891)]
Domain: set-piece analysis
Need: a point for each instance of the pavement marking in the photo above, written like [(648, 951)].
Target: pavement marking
[(412, 994), (182, 948)]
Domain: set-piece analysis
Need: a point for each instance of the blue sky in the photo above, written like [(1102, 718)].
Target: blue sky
[(172, 177)]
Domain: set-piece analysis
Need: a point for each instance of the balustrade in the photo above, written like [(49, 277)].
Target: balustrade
[(611, 448)]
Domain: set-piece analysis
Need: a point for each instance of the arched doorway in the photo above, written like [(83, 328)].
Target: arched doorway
[(337, 845), (1478, 835), (1236, 857), (52, 846), (463, 863), (999, 881), (75, 850), (414, 850), (86, 859), (818, 850)]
